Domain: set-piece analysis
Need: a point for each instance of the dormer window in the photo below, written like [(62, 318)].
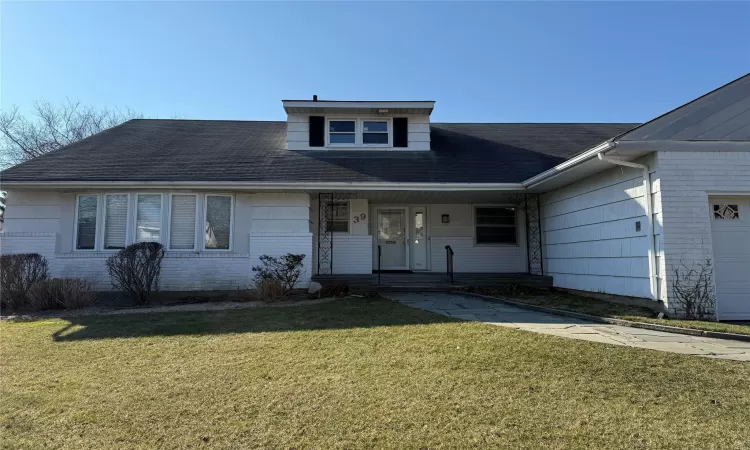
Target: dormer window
[(358, 132), (342, 132), (375, 132)]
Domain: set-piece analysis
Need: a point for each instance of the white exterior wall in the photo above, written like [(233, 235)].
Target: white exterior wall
[(272, 224), (353, 252), (470, 257), (298, 132), (589, 233), (688, 180)]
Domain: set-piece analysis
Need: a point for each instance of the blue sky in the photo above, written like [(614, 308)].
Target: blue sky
[(481, 62)]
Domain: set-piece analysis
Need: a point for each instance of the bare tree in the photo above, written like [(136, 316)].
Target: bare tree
[(51, 127)]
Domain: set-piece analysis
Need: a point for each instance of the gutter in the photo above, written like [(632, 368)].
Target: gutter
[(234, 185), (652, 269), (572, 162)]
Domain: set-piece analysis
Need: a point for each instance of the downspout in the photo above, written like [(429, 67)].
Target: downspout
[(652, 275)]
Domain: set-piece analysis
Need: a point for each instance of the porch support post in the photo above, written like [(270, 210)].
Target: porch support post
[(325, 236), (533, 208)]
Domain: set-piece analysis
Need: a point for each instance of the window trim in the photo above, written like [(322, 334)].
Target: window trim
[(196, 226), (128, 220), (341, 119), (202, 230), (348, 218), (358, 131), (389, 124), (161, 215), (96, 223), (495, 244)]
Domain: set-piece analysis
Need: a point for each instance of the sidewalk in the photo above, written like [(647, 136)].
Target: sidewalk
[(472, 308)]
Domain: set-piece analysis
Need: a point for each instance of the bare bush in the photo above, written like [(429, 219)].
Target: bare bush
[(693, 291), (61, 293), (135, 270), (17, 273), (287, 269)]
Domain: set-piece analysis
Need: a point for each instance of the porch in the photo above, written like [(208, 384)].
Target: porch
[(431, 280), (488, 234)]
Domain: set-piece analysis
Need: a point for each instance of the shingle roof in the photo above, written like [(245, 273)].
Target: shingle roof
[(197, 150), (722, 114)]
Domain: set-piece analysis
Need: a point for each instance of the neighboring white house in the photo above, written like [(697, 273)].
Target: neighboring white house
[(359, 186)]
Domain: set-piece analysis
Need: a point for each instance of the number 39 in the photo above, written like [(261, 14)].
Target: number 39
[(360, 218)]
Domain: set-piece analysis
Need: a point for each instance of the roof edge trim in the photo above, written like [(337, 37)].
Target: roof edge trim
[(235, 185)]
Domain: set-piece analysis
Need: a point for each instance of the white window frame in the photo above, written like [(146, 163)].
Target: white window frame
[(128, 228), (358, 131), (340, 119), (348, 218), (161, 215), (361, 133), (495, 244), (202, 229), (96, 224), (196, 226)]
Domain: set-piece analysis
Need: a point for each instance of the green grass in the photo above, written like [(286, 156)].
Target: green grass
[(587, 305), (353, 373)]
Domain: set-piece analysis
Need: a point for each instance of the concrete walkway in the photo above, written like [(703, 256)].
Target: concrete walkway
[(467, 307)]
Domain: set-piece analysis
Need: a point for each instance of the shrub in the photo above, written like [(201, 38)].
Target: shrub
[(286, 269), (266, 289), (17, 274), (692, 288), (67, 293), (337, 290), (135, 270)]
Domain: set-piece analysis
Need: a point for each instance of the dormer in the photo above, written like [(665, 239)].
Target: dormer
[(358, 125)]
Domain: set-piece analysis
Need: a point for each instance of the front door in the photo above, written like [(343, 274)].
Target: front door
[(392, 238)]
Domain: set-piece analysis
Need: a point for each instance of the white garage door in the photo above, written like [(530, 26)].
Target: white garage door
[(730, 228)]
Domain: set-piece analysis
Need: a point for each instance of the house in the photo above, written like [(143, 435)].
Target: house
[(365, 185)]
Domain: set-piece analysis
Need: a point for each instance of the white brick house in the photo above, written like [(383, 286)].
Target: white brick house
[(359, 186)]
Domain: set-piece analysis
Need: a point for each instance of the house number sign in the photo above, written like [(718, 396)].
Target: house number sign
[(360, 218)]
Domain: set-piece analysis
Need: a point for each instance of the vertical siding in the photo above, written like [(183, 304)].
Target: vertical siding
[(590, 237)]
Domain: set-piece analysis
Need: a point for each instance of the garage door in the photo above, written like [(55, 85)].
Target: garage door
[(730, 228)]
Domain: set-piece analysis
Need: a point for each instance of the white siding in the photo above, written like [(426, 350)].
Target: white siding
[(352, 253), (32, 212), (272, 224), (590, 237), (470, 257), (687, 181), (298, 129)]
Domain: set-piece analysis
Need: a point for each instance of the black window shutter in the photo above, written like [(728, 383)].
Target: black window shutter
[(317, 131), (400, 132)]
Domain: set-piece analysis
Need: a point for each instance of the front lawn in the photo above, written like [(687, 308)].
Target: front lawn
[(588, 305), (349, 374)]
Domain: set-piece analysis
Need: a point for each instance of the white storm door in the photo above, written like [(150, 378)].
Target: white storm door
[(392, 238), (419, 239)]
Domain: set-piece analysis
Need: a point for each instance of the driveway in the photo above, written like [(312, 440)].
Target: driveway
[(467, 307)]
